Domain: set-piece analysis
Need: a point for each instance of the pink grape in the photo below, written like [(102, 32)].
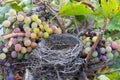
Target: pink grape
[(18, 47)]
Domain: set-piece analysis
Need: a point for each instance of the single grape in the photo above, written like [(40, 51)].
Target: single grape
[(27, 29), (24, 50), (45, 35), (34, 17), (18, 47), (109, 39), (114, 45), (38, 22), (27, 20), (11, 19), (14, 54), (36, 30), (5, 50), (26, 9), (41, 27), (8, 31), (28, 34), (33, 36), (20, 17), (20, 56), (87, 39), (33, 45), (118, 48), (40, 34), (46, 26), (27, 42), (95, 54), (102, 50), (94, 38), (34, 25), (87, 49), (27, 56), (108, 49), (116, 54), (12, 12), (103, 58), (58, 31), (49, 31), (17, 30), (29, 49), (109, 56), (2, 56), (6, 23), (88, 44)]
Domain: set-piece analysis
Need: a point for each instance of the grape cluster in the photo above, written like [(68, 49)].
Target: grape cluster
[(33, 29), (107, 49)]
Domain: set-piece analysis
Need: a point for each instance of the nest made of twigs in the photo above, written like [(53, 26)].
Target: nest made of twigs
[(58, 50)]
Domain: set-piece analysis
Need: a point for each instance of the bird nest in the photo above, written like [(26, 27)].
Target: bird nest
[(59, 52)]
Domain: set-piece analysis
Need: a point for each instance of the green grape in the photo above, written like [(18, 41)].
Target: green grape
[(109, 39), (2, 56), (23, 50), (34, 17), (6, 23), (12, 12), (8, 31), (36, 30), (27, 56), (49, 31), (27, 29), (86, 40), (38, 22), (27, 20), (20, 17), (45, 35), (27, 42), (87, 49), (33, 36), (5, 50), (116, 54), (95, 54), (109, 56), (34, 25), (41, 27), (94, 38), (108, 49), (26, 9)]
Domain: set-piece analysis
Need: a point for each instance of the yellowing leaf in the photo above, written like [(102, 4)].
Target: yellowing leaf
[(74, 9)]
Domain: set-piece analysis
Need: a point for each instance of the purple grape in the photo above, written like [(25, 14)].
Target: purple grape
[(103, 58)]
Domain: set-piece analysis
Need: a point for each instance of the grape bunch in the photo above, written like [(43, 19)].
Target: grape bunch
[(28, 30), (107, 49)]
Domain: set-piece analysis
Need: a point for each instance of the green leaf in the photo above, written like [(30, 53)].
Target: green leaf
[(74, 9), (17, 7)]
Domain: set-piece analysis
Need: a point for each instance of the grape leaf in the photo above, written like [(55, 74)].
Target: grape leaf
[(74, 9), (5, 9)]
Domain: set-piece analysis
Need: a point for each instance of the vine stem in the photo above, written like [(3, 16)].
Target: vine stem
[(12, 35), (56, 19), (98, 39)]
